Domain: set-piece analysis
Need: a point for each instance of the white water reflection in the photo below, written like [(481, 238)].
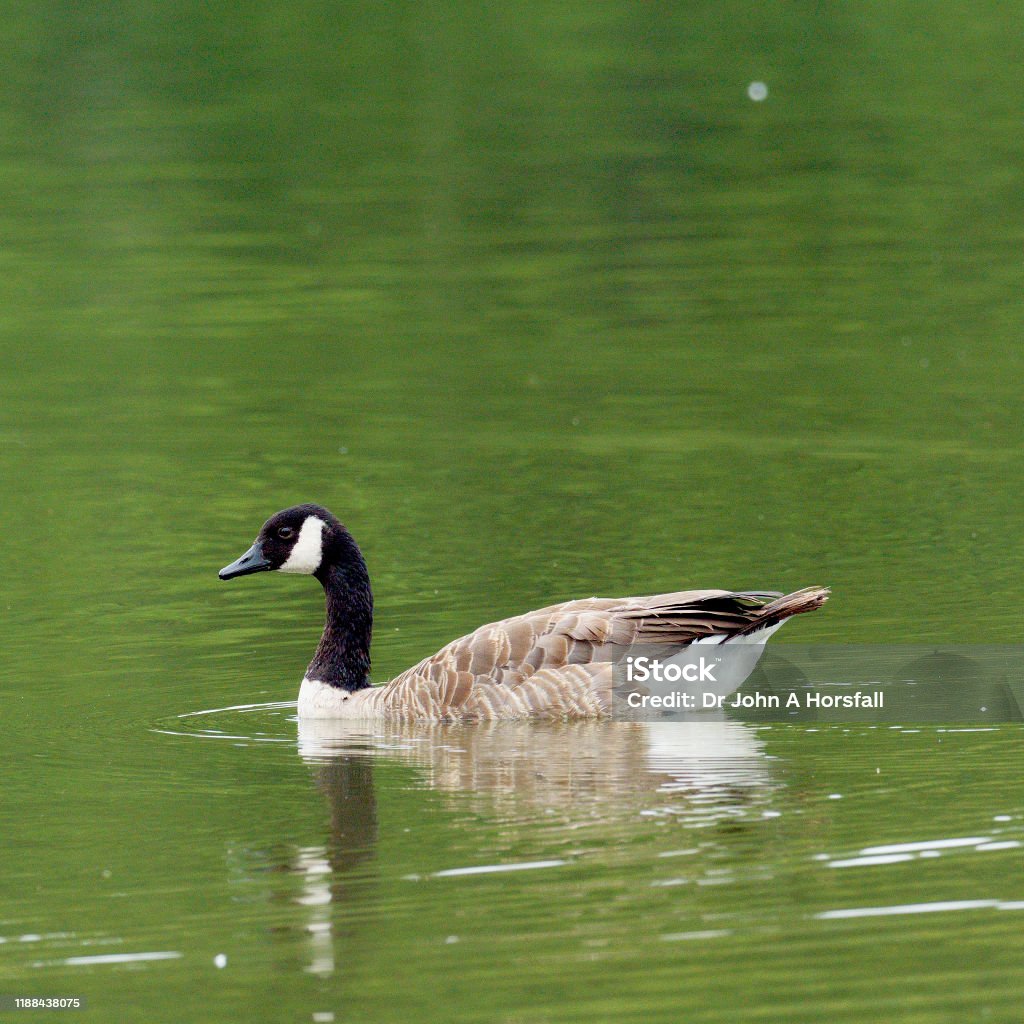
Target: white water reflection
[(941, 906), (928, 849), (120, 958), (494, 869), (314, 864)]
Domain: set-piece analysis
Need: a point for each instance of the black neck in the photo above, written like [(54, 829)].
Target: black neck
[(342, 658)]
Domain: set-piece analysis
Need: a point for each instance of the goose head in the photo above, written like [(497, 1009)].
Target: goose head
[(297, 540), (310, 541)]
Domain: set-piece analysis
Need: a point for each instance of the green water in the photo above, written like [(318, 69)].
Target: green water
[(542, 305)]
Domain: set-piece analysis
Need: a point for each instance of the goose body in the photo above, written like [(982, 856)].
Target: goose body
[(553, 663)]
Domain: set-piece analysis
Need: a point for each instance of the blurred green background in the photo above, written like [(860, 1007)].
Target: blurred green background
[(542, 304)]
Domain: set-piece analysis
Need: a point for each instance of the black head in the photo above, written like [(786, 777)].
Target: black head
[(298, 540)]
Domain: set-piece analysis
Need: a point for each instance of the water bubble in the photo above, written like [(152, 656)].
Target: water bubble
[(757, 91)]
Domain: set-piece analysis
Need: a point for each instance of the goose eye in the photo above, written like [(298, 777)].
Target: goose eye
[(286, 533)]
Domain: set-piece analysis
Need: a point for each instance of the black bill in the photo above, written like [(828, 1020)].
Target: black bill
[(252, 561)]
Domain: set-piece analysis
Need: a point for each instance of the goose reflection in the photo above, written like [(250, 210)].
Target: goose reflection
[(530, 765), (598, 774), (330, 872)]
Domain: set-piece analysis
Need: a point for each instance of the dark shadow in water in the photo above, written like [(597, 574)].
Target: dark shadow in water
[(347, 782)]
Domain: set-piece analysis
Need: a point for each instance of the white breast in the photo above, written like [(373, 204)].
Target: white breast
[(318, 700)]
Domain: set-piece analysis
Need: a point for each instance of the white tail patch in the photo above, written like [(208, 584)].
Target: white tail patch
[(308, 551), (759, 636)]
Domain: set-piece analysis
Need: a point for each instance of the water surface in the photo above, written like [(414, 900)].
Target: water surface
[(543, 306)]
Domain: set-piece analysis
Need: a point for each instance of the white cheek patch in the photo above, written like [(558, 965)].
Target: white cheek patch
[(308, 551)]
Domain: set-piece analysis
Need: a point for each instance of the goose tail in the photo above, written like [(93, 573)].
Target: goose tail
[(775, 612)]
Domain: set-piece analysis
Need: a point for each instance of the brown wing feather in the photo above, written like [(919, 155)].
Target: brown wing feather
[(554, 663)]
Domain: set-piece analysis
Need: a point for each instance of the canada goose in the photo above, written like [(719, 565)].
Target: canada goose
[(550, 663)]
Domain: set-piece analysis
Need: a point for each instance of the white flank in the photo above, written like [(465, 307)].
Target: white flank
[(308, 551)]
